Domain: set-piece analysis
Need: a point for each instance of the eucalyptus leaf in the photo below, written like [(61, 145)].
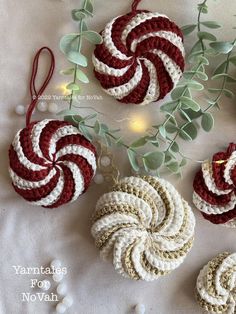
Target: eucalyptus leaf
[(188, 29), (173, 166), (174, 147), (178, 92), (81, 76), (162, 131), (67, 112), (78, 15), (139, 143), (207, 122), (153, 160), (190, 103), (133, 159), (222, 47), (206, 36), (67, 71), (195, 85), (220, 68), (169, 106), (69, 43), (183, 162), (88, 6), (171, 128), (211, 24), (83, 129), (188, 131), (93, 37), (72, 86), (97, 127), (228, 93), (77, 58)]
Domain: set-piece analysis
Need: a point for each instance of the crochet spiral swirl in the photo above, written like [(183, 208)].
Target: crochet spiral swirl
[(146, 227), (214, 188), (216, 285), (51, 163), (141, 58)]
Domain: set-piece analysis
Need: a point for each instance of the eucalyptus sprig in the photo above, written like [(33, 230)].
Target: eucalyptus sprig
[(184, 115)]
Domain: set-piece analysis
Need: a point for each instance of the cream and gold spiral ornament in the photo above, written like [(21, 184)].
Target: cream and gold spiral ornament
[(216, 285), (145, 226)]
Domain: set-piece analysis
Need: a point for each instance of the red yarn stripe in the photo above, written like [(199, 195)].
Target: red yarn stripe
[(163, 77), (218, 171), (109, 81), (162, 44), (137, 95), (33, 195), (84, 166), (201, 189), (221, 219), (23, 172), (77, 139), (68, 189)]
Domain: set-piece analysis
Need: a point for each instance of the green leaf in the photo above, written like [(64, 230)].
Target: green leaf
[(97, 127), (174, 147), (173, 166), (169, 106), (228, 93), (203, 8), (77, 58), (139, 143), (195, 85), (183, 162), (67, 71), (188, 131), (229, 78), (214, 90), (171, 128), (204, 60), (72, 86), (221, 68), (192, 114), (168, 157), (133, 159), (68, 43), (222, 47), (188, 29), (178, 92), (78, 15), (67, 112), (162, 131), (84, 26), (233, 60), (206, 36), (211, 24), (207, 122), (190, 74), (88, 6), (85, 131), (93, 37), (153, 160), (81, 76), (190, 103)]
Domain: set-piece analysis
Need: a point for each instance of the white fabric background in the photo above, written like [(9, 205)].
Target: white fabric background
[(31, 236)]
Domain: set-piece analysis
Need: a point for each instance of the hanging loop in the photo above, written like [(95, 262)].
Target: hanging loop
[(33, 91), (135, 5)]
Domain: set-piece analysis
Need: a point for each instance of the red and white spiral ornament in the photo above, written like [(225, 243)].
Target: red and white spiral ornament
[(51, 163), (141, 58)]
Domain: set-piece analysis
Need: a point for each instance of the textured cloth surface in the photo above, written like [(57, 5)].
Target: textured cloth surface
[(32, 236)]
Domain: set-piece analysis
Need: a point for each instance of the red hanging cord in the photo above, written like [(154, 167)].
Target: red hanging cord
[(135, 5), (33, 91)]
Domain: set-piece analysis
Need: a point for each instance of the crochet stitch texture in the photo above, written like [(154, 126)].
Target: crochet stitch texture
[(214, 188), (145, 226), (215, 290), (141, 58), (51, 163)]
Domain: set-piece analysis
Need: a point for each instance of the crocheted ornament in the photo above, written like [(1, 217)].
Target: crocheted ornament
[(214, 188), (145, 226), (216, 285), (141, 58), (51, 163)]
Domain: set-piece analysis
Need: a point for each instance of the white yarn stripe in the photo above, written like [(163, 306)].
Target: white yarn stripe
[(153, 91), (103, 68), (78, 150), (35, 136), (209, 180), (201, 288), (77, 178), (107, 38), (54, 195), (21, 156), (213, 209), (170, 36), (60, 133), (228, 263), (123, 90), (137, 20), (231, 163), (125, 198), (171, 67), (230, 224), (25, 184)]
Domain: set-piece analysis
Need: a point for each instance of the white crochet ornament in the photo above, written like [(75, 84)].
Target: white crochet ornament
[(216, 285), (145, 226)]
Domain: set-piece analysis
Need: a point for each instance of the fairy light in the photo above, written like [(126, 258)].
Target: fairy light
[(63, 89), (138, 124)]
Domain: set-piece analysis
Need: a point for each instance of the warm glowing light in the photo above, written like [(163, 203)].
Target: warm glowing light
[(138, 124), (63, 89), (220, 161)]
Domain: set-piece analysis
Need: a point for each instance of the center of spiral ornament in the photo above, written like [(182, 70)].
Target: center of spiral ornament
[(145, 225)]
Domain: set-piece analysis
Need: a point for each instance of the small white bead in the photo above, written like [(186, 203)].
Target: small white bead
[(98, 179), (105, 161), (61, 308), (52, 107), (57, 277), (140, 309), (42, 106), (68, 301), (62, 289), (20, 110), (46, 285), (56, 263)]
